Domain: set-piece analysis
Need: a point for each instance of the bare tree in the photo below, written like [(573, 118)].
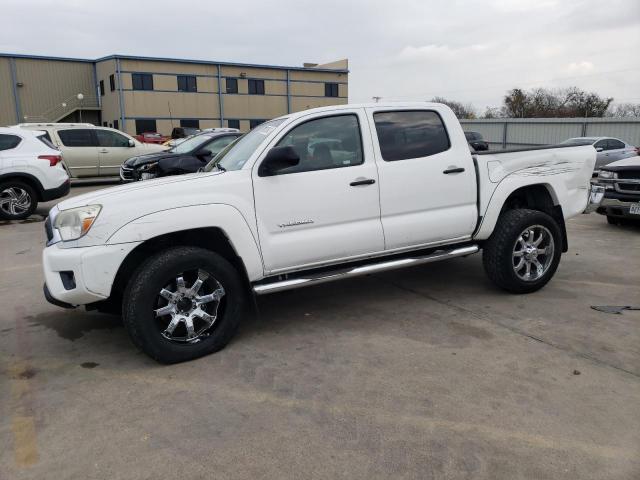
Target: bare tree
[(461, 110), (622, 110), (545, 103)]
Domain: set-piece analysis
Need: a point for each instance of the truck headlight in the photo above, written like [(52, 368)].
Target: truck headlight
[(606, 174), (76, 222)]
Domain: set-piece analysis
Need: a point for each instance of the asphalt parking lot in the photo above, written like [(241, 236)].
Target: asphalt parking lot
[(425, 373)]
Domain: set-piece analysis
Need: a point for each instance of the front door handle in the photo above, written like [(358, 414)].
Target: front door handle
[(453, 170), (364, 181), (104, 150)]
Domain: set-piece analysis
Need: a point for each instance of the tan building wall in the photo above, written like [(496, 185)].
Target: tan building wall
[(7, 103), (46, 84), (286, 89)]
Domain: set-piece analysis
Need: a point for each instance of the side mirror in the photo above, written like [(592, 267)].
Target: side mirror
[(278, 159), (599, 149), (131, 143), (203, 152)]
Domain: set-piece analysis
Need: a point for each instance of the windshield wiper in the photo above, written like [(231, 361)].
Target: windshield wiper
[(220, 167)]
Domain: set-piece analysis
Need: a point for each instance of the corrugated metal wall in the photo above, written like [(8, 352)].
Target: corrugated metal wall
[(523, 132)]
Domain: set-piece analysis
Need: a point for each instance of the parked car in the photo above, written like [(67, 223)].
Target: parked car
[(151, 137), (621, 181), (187, 157), (31, 171), (182, 132), (310, 197), (476, 141), (91, 151), (608, 149)]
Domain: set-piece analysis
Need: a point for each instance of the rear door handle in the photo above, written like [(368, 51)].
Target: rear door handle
[(364, 181), (104, 150), (453, 170)]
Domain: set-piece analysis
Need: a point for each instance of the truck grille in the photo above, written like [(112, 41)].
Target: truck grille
[(629, 174), (48, 229)]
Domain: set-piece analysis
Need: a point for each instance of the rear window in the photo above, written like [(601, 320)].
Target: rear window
[(410, 134), (7, 142), (78, 137)]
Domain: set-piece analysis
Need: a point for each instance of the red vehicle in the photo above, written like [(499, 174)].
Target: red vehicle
[(152, 137)]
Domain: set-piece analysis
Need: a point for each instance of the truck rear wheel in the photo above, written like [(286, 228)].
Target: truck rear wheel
[(523, 252), (183, 303)]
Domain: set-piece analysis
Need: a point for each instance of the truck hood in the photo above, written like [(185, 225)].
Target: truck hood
[(131, 193), (621, 164)]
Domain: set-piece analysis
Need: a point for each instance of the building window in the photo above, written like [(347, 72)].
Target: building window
[(254, 123), (187, 83), (102, 88), (410, 134), (115, 124), (189, 123), (330, 89), (112, 82), (256, 87), (232, 85), (233, 124), (142, 81), (145, 126)]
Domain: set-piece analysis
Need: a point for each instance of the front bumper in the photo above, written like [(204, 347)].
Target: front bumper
[(92, 271), (613, 207)]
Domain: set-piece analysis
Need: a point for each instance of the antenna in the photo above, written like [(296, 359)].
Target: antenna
[(377, 99)]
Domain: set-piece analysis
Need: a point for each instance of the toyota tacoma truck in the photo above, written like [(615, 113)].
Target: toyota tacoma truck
[(309, 197)]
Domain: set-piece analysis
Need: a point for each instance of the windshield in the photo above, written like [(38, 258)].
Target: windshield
[(472, 136), (237, 153), (579, 141), (190, 144)]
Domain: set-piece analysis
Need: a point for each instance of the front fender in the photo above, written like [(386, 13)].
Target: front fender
[(222, 216)]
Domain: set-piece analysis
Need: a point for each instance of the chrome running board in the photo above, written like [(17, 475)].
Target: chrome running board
[(329, 276)]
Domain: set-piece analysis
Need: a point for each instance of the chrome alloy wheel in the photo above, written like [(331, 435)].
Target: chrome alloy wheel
[(188, 313), (533, 253), (15, 201)]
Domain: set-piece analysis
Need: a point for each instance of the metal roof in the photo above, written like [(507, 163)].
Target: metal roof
[(173, 60)]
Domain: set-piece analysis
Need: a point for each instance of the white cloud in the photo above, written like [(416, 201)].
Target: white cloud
[(580, 67), (442, 52)]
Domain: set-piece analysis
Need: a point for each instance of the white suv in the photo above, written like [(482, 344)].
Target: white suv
[(91, 151), (31, 171)]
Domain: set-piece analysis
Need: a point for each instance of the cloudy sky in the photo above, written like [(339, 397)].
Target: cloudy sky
[(471, 51)]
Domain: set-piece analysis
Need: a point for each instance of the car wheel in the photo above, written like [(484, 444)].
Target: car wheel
[(523, 252), (17, 200), (183, 303)]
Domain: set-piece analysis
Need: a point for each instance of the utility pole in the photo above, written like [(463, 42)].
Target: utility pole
[(377, 99)]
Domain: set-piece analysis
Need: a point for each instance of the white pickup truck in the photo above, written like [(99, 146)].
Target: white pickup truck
[(306, 198)]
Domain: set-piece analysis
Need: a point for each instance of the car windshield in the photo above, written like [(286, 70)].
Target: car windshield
[(236, 154), (579, 141), (190, 144), (472, 136)]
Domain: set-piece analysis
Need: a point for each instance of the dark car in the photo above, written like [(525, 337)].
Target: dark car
[(183, 132), (187, 157), (476, 141)]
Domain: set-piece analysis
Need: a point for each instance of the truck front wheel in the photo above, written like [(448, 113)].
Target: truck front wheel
[(183, 303), (524, 250)]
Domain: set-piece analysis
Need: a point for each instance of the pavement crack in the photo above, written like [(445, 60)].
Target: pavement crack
[(511, 328)]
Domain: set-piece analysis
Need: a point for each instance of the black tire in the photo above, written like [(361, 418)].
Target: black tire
[(141, 294), (29, 192), (498, 250), (613, 220)]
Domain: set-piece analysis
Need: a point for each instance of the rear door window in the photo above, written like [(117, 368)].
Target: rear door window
[(410, 134), (46, 139), (8, 142), (78, 137), (107, 138)]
